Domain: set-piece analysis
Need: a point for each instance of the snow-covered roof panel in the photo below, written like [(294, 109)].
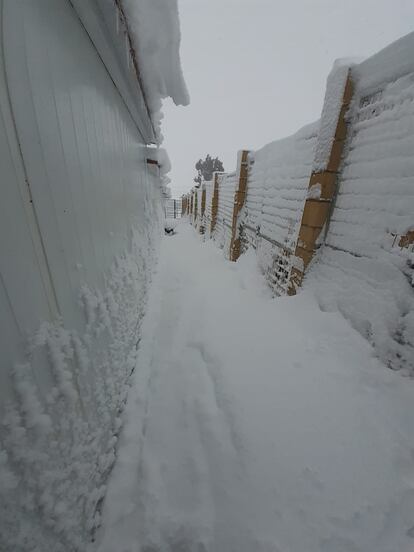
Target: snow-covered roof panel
[(138, 42), (154, 30)]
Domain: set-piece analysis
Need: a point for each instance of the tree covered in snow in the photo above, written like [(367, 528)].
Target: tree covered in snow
[(205, 168)]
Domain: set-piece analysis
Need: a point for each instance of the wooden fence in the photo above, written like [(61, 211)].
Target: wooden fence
[(333, 204)]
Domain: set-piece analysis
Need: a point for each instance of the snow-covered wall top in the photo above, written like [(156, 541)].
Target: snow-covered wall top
[(332, 104), (386, 66)]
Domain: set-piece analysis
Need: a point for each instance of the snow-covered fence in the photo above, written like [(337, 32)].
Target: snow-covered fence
[(366, 267), (334, 203), (209, 188), (198, 201), (215, 208), (276, 192), (260, 204), (223, 231), (207, 194), (202, 207)]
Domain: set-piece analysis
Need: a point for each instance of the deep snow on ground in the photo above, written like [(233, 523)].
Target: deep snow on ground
[(256, 424)]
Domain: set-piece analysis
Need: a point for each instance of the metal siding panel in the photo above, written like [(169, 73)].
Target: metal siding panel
[(80, 143), (97, 210)]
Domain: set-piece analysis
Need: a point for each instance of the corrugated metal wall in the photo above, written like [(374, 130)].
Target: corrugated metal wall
[(79, 226)]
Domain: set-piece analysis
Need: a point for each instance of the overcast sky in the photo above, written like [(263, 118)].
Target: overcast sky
[(256, 69)]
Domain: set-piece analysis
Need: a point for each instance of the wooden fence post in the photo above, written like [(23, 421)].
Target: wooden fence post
[(202, 228), (321, 195), (214, 203), (239, 198), (195, 206)]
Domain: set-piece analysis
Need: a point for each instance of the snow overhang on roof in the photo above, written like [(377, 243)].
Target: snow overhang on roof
[(138, 42)]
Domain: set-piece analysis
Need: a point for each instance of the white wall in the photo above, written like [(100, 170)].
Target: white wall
[(79, 227)]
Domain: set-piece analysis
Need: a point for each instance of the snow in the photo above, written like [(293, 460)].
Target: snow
[(227, 184), (276, 192), (314, 191), (57, 441), (170, 224), (255, 423), (360, 270), (160, 155), (209, 187), (155, 30), (335, 87), (386, 66)]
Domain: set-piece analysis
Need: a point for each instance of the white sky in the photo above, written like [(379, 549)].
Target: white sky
[(256, 70)]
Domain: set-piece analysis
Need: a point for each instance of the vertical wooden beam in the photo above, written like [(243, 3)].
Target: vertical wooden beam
[(321, 195), (202, 228), (239, 198), (195, 206), (214, 203), (193, 209)]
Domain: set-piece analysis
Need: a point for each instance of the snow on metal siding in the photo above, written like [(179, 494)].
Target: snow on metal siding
[(84, 249)]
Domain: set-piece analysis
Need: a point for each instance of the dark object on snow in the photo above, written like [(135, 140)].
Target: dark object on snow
[(170, 225), (169, 230)]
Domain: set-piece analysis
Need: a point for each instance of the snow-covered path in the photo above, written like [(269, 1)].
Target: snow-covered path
[(255, 424)]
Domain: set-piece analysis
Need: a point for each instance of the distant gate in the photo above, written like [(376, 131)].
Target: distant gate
[(173, 208)]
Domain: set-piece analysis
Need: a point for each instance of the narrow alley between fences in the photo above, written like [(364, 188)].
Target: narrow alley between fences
[(256, 423)]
